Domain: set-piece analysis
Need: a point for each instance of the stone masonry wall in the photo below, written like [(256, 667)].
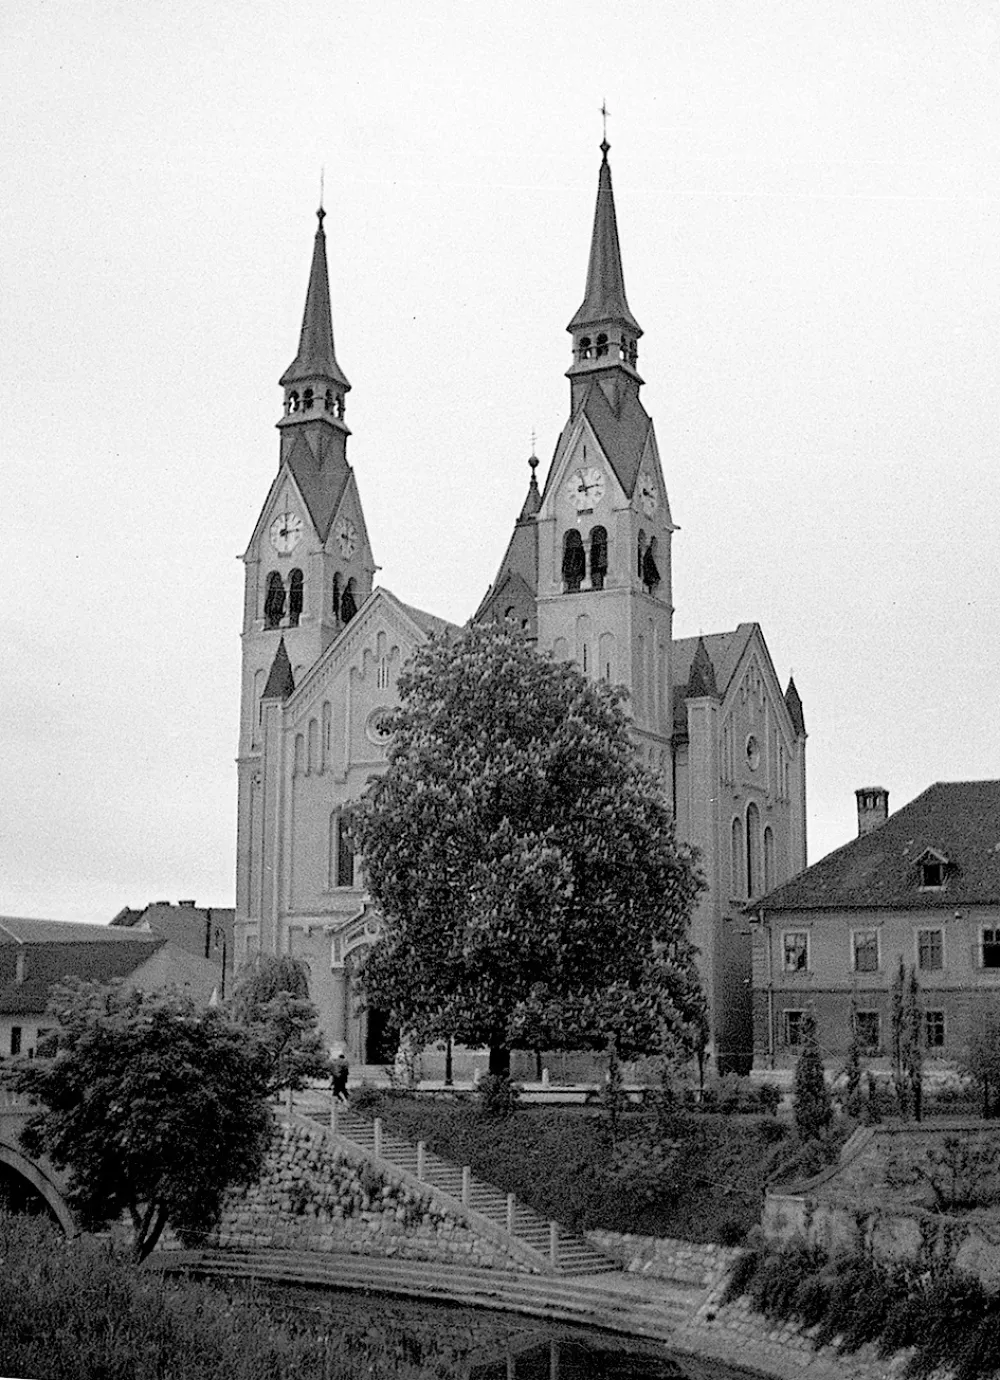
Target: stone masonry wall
[(316, 1196), (663, 1257)]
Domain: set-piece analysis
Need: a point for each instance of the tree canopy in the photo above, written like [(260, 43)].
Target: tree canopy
[(271, 999), (155, 1108), (532, 889)]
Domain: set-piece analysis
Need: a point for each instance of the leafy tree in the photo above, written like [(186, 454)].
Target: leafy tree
[(907, 1049), (532, 889), (853, 1102), (981, 1061), (271, 999), (155, 1108), (811, 1103)]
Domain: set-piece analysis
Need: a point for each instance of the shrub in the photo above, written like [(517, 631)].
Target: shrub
[(811, 1102), (498, 1096)]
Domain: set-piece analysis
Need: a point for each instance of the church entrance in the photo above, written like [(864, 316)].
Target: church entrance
[(381, 1038)]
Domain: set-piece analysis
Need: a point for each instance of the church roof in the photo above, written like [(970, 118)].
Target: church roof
[(316, 357), (622, 434), (701, 680), (604, 298), (959, 819), (724, 650), (795, 711), (430, 623), (311, 472), (280, 681)]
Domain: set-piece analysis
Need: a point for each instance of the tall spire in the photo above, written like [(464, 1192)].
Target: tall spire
[(604, 300), (316, 360)]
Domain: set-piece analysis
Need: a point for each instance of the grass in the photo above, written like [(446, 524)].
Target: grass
[(702, 1181), (81, 1310)]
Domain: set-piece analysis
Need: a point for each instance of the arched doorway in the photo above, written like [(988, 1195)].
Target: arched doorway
[(381, 1037), (371, 1037)]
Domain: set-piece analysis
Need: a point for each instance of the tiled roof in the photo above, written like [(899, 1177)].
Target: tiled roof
[(429, 622), (52, 951), (622, 435), (960, 819), (320, 493), (724, 651)]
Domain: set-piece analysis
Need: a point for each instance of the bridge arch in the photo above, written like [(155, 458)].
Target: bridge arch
[(41, 1181)]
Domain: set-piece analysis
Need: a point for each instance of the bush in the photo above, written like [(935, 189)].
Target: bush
[(498, 1096)]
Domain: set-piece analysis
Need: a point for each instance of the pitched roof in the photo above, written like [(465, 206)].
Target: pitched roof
[(321, 491), (960, 819), (795, 712), (429, 622), (53, 950), (622, 435), (724, 650), (280, 681), (701, 681)]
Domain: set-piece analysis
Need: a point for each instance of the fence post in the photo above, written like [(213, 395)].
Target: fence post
[(510, 1214), (553, 1244), (378, 1137), (421, 1159), (466, 1185)]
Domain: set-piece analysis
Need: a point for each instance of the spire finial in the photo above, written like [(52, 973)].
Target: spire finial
[(605, 112), (321, 214)]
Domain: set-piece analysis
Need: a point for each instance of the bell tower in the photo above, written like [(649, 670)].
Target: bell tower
[(604, 524)]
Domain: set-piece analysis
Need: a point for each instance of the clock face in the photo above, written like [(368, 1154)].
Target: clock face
[(285, 533), (347, 535), (586, 487), (648, 495)]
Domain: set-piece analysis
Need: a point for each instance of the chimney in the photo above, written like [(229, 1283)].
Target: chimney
[(873, 808), (188, 904)]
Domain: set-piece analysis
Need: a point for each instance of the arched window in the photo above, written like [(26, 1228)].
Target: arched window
[(598, 557), (294, 598), (574, 562), (307, 400), (328, 400), (650, 570), (293, 402), (325, 737), (300, 754), (336, 596), (348, 602), (753, 850), (640, 552), (602, 345), (585, 347), (736, 860), (769, 877), (607, 654), (312, 759), (274, 601), (345, 851)]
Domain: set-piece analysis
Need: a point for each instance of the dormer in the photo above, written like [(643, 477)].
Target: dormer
[(932, 869)]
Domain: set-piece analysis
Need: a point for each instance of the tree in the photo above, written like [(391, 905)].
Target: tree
[(154, 1107), (811, 1103), (981, 1061), (532, 890), (906, 1033), (271, 999)]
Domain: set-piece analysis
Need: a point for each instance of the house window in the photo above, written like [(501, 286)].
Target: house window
[(931, 874), (865, 951), (930, 950), (794, 1022), (15, 1039), (795, 945), (991, 948), (934, 1029), (868, 1025)]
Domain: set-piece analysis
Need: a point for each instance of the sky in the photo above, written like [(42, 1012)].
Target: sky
[(809, 216)]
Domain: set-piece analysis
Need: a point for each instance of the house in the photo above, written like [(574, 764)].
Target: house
[(35, 955), (586, 573), (206, 931), (920, 887)]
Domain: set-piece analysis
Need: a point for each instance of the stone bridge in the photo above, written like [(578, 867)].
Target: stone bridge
[(37, 1177)]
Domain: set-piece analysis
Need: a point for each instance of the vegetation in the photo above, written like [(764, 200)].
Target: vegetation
[(948, 1318), (811, 1101), (906, 1035), (82, 1310), (271, 1000), (982, 1060), (154, 1107), (694, 1175), (533, 892)]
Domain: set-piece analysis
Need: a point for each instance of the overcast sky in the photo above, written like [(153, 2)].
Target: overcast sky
[(808, 207)]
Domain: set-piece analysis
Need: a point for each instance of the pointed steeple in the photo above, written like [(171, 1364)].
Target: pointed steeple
[(533, 500), (701, 681), (280, 681), (795, 711), (314, 372), (605, 299), (604, 331)]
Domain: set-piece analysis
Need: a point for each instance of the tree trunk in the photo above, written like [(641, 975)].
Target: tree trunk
[(500, 1061)]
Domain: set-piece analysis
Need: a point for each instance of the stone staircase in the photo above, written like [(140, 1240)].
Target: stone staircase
[(547, 1246)]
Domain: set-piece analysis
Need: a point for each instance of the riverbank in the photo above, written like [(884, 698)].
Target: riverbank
[(689, 1320)]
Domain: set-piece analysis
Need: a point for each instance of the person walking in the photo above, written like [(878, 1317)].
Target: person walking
[(339, 1073)]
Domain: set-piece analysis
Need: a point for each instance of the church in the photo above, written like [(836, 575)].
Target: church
[(587, 573)]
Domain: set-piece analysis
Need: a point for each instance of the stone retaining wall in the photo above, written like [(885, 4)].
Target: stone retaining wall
[(662, 1257), (314, 1195)]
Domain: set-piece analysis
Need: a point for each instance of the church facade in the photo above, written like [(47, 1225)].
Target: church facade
[(587, 573)]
